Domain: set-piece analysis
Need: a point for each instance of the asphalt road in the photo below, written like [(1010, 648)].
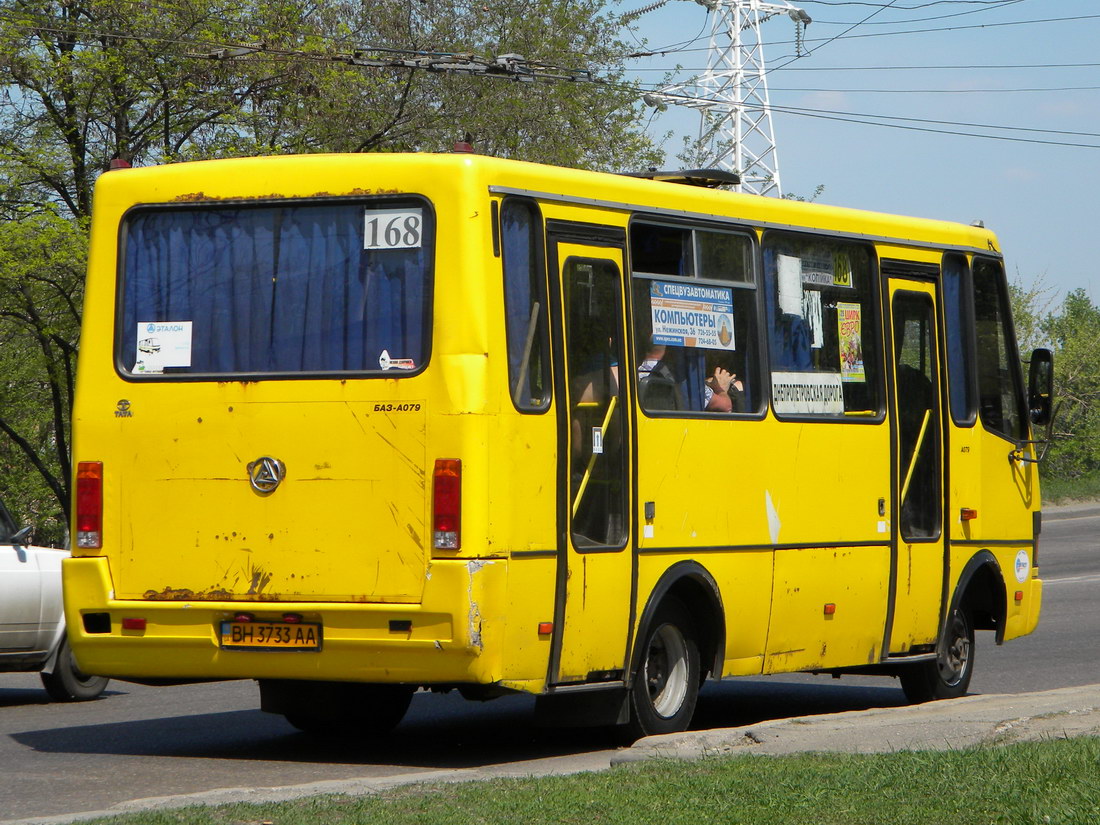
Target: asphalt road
[(139, 742)]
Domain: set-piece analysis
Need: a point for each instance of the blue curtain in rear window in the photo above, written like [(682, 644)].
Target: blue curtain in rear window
[(277, 289)]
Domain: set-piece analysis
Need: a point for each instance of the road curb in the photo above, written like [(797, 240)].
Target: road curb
[(958, 723), (953, 724)]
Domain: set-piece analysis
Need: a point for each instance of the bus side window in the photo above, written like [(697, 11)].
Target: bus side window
[(525, 306), (695, 324), (823, 323), (958, 317), (1000, 381)]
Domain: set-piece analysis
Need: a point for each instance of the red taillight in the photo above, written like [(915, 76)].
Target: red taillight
[(447, 504), (89, 505)]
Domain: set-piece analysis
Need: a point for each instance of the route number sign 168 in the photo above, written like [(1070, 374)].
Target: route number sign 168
[(393, 229)]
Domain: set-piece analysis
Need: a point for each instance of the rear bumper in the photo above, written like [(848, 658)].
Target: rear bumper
[(445, 639)]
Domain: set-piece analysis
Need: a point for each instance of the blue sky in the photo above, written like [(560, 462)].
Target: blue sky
[(1039, 197)]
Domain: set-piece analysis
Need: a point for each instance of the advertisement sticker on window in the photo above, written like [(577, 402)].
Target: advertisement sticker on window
[(849, 323), (690, 315), (790, 284), (162, 344), (817, 267), (807, 393)]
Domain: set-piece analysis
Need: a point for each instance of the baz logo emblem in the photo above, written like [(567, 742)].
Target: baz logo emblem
[(265, 474), (122, 409)]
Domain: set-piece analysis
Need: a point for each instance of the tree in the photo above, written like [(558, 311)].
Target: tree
[(41, 284), (1072, 331), (151, 83), (1030, 307), (83, 82), (1074, 335)]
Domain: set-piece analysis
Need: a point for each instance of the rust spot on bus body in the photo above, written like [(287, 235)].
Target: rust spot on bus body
[(183, 594), (196, 197)]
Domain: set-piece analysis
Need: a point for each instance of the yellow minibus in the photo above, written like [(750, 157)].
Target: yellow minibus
[(355, 425)]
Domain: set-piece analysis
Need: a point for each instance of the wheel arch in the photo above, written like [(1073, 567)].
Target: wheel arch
[(60, 634), (694, 586), (981, 587)]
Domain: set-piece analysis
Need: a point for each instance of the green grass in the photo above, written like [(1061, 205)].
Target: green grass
[(1053, 782), (1067, 491)]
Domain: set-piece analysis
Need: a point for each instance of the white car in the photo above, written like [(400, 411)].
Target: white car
[(32, 621)]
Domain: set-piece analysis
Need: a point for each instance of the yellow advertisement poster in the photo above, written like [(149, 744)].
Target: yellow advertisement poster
[(849, 320)]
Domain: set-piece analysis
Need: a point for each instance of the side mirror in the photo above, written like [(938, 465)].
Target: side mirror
[(22, 537), (1040, 386)]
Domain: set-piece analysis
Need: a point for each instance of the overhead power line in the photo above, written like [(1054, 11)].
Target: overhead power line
[(929, 130), (516, 67), (916, 7), (953, 67), (1035, 89), (983, 10), (930, 126), (815, 44), (509, 66)]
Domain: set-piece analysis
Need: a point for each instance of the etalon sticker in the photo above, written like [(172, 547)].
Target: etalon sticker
[(387, 363)]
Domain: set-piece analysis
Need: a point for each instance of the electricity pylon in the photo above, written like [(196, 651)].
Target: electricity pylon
[(735, 131)]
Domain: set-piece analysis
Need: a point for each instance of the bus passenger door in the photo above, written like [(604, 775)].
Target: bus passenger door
[(592, 605), (920, 559)]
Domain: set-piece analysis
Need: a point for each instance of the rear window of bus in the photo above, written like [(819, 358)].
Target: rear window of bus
[(276, 288)]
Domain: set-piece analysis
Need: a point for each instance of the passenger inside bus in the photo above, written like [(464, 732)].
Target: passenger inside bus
[(684, 378)]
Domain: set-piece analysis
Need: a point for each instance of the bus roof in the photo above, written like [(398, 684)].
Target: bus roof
[(283, 176)]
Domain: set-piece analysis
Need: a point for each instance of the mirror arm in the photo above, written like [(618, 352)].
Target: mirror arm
[(1017, 454)]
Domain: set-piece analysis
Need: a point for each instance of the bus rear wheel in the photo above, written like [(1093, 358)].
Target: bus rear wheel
[(948, 677), (666, 684)]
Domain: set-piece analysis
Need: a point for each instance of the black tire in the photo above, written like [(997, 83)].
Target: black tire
[(666, 683), (67, 683), (356, 710), (948, 677)]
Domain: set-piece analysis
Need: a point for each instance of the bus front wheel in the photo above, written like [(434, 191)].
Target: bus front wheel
[(948, 677), (666, 684)]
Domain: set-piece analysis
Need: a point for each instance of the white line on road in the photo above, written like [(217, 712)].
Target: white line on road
[(1054, 519), (1094, 577)]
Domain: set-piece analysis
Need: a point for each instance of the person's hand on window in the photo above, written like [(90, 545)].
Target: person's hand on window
[(719, 384)]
